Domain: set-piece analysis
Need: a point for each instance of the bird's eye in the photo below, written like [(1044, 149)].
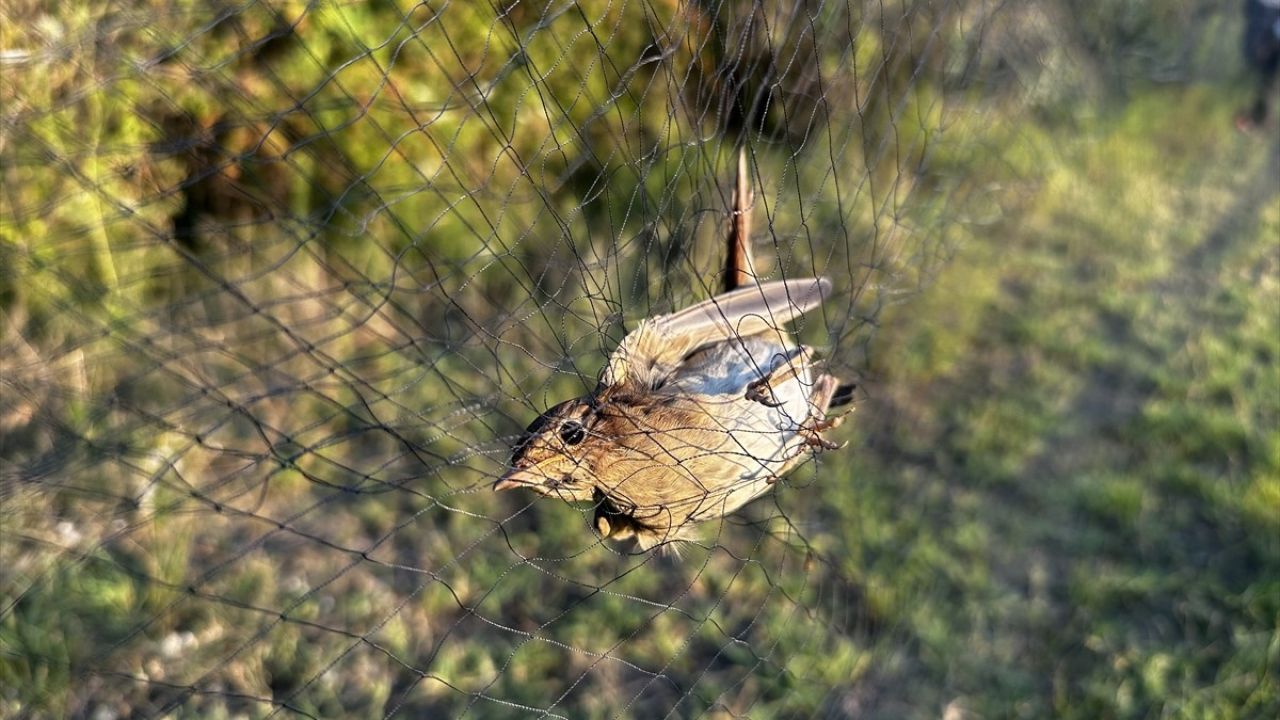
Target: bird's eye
[(572, 432)]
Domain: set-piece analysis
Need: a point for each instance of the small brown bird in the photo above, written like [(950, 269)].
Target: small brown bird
[(697, 413)]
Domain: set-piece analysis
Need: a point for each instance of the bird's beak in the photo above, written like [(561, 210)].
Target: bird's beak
[(519, 477)]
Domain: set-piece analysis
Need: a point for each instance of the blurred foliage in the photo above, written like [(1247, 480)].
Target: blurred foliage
[(282, 281)]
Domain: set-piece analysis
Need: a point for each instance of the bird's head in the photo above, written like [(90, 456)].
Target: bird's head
[(551, 457)]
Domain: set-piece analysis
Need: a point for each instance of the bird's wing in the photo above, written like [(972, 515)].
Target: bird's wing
[(648, 354)]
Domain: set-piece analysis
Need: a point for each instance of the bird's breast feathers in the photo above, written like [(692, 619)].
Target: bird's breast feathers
[(699, 446)]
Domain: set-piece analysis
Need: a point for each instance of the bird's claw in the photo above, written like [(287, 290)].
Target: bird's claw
[(821, 443), (760, 391), (812, 433)]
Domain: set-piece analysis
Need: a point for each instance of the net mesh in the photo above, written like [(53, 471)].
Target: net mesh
[(283, 282)]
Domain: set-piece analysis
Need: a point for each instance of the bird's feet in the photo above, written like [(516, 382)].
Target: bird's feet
[(811, 443), (811, 432), (785, 368)]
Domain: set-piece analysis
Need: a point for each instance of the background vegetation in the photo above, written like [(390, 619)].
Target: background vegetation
[(283, 281)]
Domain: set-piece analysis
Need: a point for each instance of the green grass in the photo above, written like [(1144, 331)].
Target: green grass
[(1087, 409)]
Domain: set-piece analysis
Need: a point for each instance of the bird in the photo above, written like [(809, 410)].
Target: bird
[(696, 413)]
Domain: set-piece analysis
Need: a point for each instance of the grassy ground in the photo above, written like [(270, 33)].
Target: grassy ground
[(1062, 491), (1075, 460)]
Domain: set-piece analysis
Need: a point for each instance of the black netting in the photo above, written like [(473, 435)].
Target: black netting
[(284, 281)]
